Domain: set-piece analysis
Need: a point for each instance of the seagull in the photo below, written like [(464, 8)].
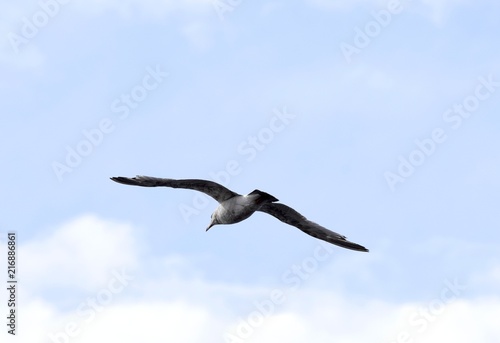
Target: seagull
[(234, 207)]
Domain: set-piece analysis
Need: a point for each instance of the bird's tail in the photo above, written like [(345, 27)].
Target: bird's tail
[(264, 197)]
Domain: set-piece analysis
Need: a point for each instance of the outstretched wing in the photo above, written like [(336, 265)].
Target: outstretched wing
[(216, 191), (288, 215)]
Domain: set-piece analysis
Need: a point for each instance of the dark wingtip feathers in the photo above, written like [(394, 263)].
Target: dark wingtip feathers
[(344, 243), (121, 179), (134, 181)]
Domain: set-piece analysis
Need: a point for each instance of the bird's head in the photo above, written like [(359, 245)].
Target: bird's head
[(213, 221)]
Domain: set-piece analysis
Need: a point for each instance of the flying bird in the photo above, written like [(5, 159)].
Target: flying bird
[(234, 207)]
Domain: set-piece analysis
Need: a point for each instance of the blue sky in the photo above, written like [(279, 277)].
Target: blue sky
[(376, 119)]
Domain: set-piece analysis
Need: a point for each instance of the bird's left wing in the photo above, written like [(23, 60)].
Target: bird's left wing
[(288, 215), (215, 190)]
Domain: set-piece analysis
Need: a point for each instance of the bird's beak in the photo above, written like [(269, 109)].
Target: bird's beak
[(209, 226)]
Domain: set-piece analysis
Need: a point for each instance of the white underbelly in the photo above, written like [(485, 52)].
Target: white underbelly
[(236, 209)]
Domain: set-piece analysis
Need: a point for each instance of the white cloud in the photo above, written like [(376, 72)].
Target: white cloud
[(151, 322), (309, 316), (341, 320), (181, 306), (81, 253)]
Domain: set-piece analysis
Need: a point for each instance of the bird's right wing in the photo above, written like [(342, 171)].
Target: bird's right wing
[(288, 215), (216, 191)]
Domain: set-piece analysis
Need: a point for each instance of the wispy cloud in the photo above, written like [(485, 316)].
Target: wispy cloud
[(436, 10), (148, 7), (345, 4)]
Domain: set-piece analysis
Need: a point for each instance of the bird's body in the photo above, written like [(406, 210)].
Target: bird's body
[(240, 207), (234, 208)]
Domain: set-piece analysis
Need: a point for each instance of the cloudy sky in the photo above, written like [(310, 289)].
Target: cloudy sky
[(376, 119)]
